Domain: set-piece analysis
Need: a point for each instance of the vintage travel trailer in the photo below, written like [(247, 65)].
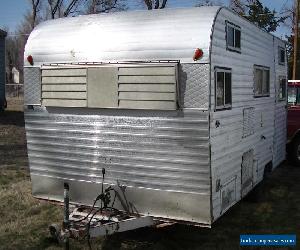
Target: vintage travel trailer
[(184, 109)]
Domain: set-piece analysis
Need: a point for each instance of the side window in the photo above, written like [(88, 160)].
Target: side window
[(223, 92), (261, 81), (281, 55), (282, 89), (233, 37)]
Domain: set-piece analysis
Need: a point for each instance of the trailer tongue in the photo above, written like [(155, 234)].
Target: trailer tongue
[(86, 222)]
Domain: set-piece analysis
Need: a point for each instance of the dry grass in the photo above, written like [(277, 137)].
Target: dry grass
[(274, 207)]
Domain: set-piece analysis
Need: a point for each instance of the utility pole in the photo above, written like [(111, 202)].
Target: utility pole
[(296, 21)]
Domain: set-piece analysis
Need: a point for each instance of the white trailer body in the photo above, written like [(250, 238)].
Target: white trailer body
[(183, 139)]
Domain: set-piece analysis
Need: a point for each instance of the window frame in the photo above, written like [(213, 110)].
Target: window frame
[(279, 85), (223, 70), (280, 49), (263, 69), (235, 27), (296, 91)]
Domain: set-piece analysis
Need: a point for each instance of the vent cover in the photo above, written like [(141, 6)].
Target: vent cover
[(64, 87), (131, 86), (248, 121), (247, 171), (147, 87)]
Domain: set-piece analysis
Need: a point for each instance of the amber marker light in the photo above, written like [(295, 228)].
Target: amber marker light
[(30, 59), (198, 54)]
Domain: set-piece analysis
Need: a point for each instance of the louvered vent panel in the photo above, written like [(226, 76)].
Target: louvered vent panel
[(65, 87), (147, 87)]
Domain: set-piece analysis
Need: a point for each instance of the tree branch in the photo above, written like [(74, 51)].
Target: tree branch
[(164, 3), (148, 4), (35, 5), (70, 7), (56, 7)]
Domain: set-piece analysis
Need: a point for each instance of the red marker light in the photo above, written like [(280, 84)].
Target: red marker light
[(30, 59), (198, 54)]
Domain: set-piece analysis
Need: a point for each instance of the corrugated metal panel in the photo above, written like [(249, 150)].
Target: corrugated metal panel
[(228, 141), (167, 34), (166, 153), (64, 87), (161, 157)]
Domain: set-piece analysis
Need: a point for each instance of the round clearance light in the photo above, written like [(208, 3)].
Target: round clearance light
[(30, 59), (198, 54)]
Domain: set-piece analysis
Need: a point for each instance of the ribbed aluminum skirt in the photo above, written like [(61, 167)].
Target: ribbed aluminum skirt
[(157, 150)]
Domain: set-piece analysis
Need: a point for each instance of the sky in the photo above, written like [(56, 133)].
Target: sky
[(12, 11)]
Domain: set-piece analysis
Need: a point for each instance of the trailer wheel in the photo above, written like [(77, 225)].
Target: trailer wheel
[(296, 151)]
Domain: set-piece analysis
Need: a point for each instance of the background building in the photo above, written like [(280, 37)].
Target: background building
[(2, 68)]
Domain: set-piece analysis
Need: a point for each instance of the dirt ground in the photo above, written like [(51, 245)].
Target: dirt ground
[(273, 208)]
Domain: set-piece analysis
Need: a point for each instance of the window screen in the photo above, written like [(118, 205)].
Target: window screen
[(223, 92), (261, 81), (233, 37), (282, 89), (281, 55), (230, 36)]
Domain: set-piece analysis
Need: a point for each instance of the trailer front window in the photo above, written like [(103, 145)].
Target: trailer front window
[(223, 88)]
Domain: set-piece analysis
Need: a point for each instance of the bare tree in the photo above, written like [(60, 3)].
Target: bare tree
[(238, 6), (35, 5), (59, 8), (208, 3), (102, 6), (155, 4), (71, 7), (55, 7)]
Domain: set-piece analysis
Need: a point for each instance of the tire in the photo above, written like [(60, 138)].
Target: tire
[(296, 151)]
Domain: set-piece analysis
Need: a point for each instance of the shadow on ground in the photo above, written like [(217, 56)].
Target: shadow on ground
[(15, 118), (13, 149)]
